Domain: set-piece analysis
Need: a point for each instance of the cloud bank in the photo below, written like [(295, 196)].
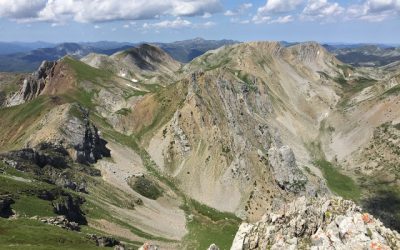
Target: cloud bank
[(284, 11), (86, 11)]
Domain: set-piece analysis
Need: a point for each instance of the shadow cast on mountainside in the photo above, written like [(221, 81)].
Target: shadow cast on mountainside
[(385, 205)]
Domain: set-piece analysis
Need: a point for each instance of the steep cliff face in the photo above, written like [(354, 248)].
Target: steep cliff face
[(319, 223), (33, 85), (69, 125), (285, 170)]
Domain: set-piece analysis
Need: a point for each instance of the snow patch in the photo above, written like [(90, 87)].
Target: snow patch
[(136, 88)]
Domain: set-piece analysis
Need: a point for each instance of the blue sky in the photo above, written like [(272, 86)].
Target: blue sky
[(353, 21)]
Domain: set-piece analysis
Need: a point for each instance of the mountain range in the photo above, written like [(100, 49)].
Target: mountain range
[(256, 145), (26, 57), (365, 55)]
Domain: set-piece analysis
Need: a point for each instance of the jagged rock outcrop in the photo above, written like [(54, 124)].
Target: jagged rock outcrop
[(179, 135), (104, 241), (84, 138), (69, 125), (317, 223), (285, 170), (5, 205), (42, 155), (52, 163), (62, 222), (32, 85), (69, 206)]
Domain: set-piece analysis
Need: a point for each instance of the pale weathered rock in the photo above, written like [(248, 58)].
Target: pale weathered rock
[(316, 223), (286, 172), (32, 85), (241, 239), (149, 246), (213, 247), (61, 221)]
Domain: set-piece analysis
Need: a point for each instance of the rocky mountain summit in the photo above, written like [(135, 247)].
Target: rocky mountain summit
[(317, 223)]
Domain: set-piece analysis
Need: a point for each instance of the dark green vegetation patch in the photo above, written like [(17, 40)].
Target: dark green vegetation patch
[(145, 187), (339, 183)]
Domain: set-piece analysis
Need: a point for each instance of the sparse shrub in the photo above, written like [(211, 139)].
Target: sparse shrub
[(145, 187)]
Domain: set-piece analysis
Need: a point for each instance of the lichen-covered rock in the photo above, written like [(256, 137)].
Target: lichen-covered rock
[(285, 170), (317, 223), (149, 246)]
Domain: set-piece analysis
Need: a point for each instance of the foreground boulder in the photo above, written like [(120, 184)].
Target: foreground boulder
[(318, 223), (149, 246)]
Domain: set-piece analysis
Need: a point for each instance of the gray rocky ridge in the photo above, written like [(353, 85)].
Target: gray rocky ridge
[(316, 223)]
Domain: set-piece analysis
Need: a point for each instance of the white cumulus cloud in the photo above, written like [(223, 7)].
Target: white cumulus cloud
[(267, 13), (321, 9), (103, 10), (383, 5), (279, 6), (374, 10), (283, 19), (175, 24), (260, 19), (15, 9), (241, 9), (178, 23)]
